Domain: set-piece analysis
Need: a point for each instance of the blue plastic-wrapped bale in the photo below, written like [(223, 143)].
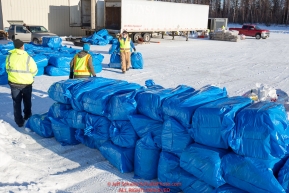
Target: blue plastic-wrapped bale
[(63, 133), (227, 188), (102, 32), (108, 37), (204, 163), (4, 79), (89, 84), (2, 64), (9, 46), (121, 106), (61, 61), (252, 174), (102, 42), (214, 122), (190, 184), (54, 71), (283, 176), (115, 61), (51, 41), (40, 71), (96, 101), (149, 103), (114, 41), (59, 91), (88, 141), (122, 134), (40, 60), (169, 172), (75, 119), (261, 131), (137, 60), (96, 62), (144, 125), (40, 124), (120, 157), (175, 137), (97, 127), (182, 106), (57, 110), (146, 159)]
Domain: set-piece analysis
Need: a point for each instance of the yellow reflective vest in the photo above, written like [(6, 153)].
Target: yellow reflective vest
[(21, 68), (124, 45), (81, 65)]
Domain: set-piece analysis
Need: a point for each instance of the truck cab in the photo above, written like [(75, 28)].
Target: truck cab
[(27, 33)]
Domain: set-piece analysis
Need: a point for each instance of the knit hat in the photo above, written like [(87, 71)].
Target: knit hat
[(18, 43), (86, 47)]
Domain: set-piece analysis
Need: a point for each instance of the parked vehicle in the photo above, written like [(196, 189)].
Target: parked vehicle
[(27, 33), (139, 17), (253, 31)]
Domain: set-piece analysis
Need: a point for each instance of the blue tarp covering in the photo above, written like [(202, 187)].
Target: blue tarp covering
[(182, 106), (86, 140), (98, 38), (61, 61), (75, 119), (122, 134), (121, 106), (57, 110), (97, 127), (96, 101), (251, 174), (40, 124), (52, 41), (59, 91), (40, 71), (175, 137), (2, 64), (261, 131), (63, 133), (204, 163), (120, 157), (283, 176), (54, 71), (90, 84), (226, 188), (149, 103), (40, 60), (213, 123), (191, 184), (146, 159), (4, 79), (137, 60), (115, 61), (113, 48), (144, 125)]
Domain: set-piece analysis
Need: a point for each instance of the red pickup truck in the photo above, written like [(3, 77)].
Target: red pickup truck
[(252, 30)]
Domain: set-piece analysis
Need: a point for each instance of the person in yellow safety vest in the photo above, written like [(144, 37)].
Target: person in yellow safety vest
[(21, 69), (125, 44), (81, 65)]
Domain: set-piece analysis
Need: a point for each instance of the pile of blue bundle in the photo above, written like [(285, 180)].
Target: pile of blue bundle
[(101, 38), (190, 140), (53, 60)]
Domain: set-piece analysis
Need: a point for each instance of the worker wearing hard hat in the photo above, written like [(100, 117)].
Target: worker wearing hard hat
[(125, 44), (81, 65), (21, 69)]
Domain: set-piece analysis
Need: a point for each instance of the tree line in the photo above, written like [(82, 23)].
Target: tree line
[(246, 11)]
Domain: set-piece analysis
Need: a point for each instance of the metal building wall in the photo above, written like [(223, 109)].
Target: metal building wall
[(53, 14)]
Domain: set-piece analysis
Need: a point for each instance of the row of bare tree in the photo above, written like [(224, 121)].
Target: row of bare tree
[(246, 11)]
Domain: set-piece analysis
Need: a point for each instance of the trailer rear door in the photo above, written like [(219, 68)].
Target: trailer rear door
[(113, 15)]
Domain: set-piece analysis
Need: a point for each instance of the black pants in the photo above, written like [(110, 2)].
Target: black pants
[(18, 94)]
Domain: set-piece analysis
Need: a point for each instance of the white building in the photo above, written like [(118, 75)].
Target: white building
[(52, 14)]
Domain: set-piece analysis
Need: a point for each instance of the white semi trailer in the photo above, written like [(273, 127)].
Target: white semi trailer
[(140, 18)]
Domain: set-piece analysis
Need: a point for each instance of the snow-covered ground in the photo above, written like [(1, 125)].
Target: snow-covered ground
[(29, 163)]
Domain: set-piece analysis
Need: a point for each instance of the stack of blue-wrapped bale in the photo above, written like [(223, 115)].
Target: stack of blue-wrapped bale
[(190, 140), (51, 58), (101, 38)]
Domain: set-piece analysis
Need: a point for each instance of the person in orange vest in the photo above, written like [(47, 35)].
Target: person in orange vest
[(125, 44), (21, 68), (81, 65)]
